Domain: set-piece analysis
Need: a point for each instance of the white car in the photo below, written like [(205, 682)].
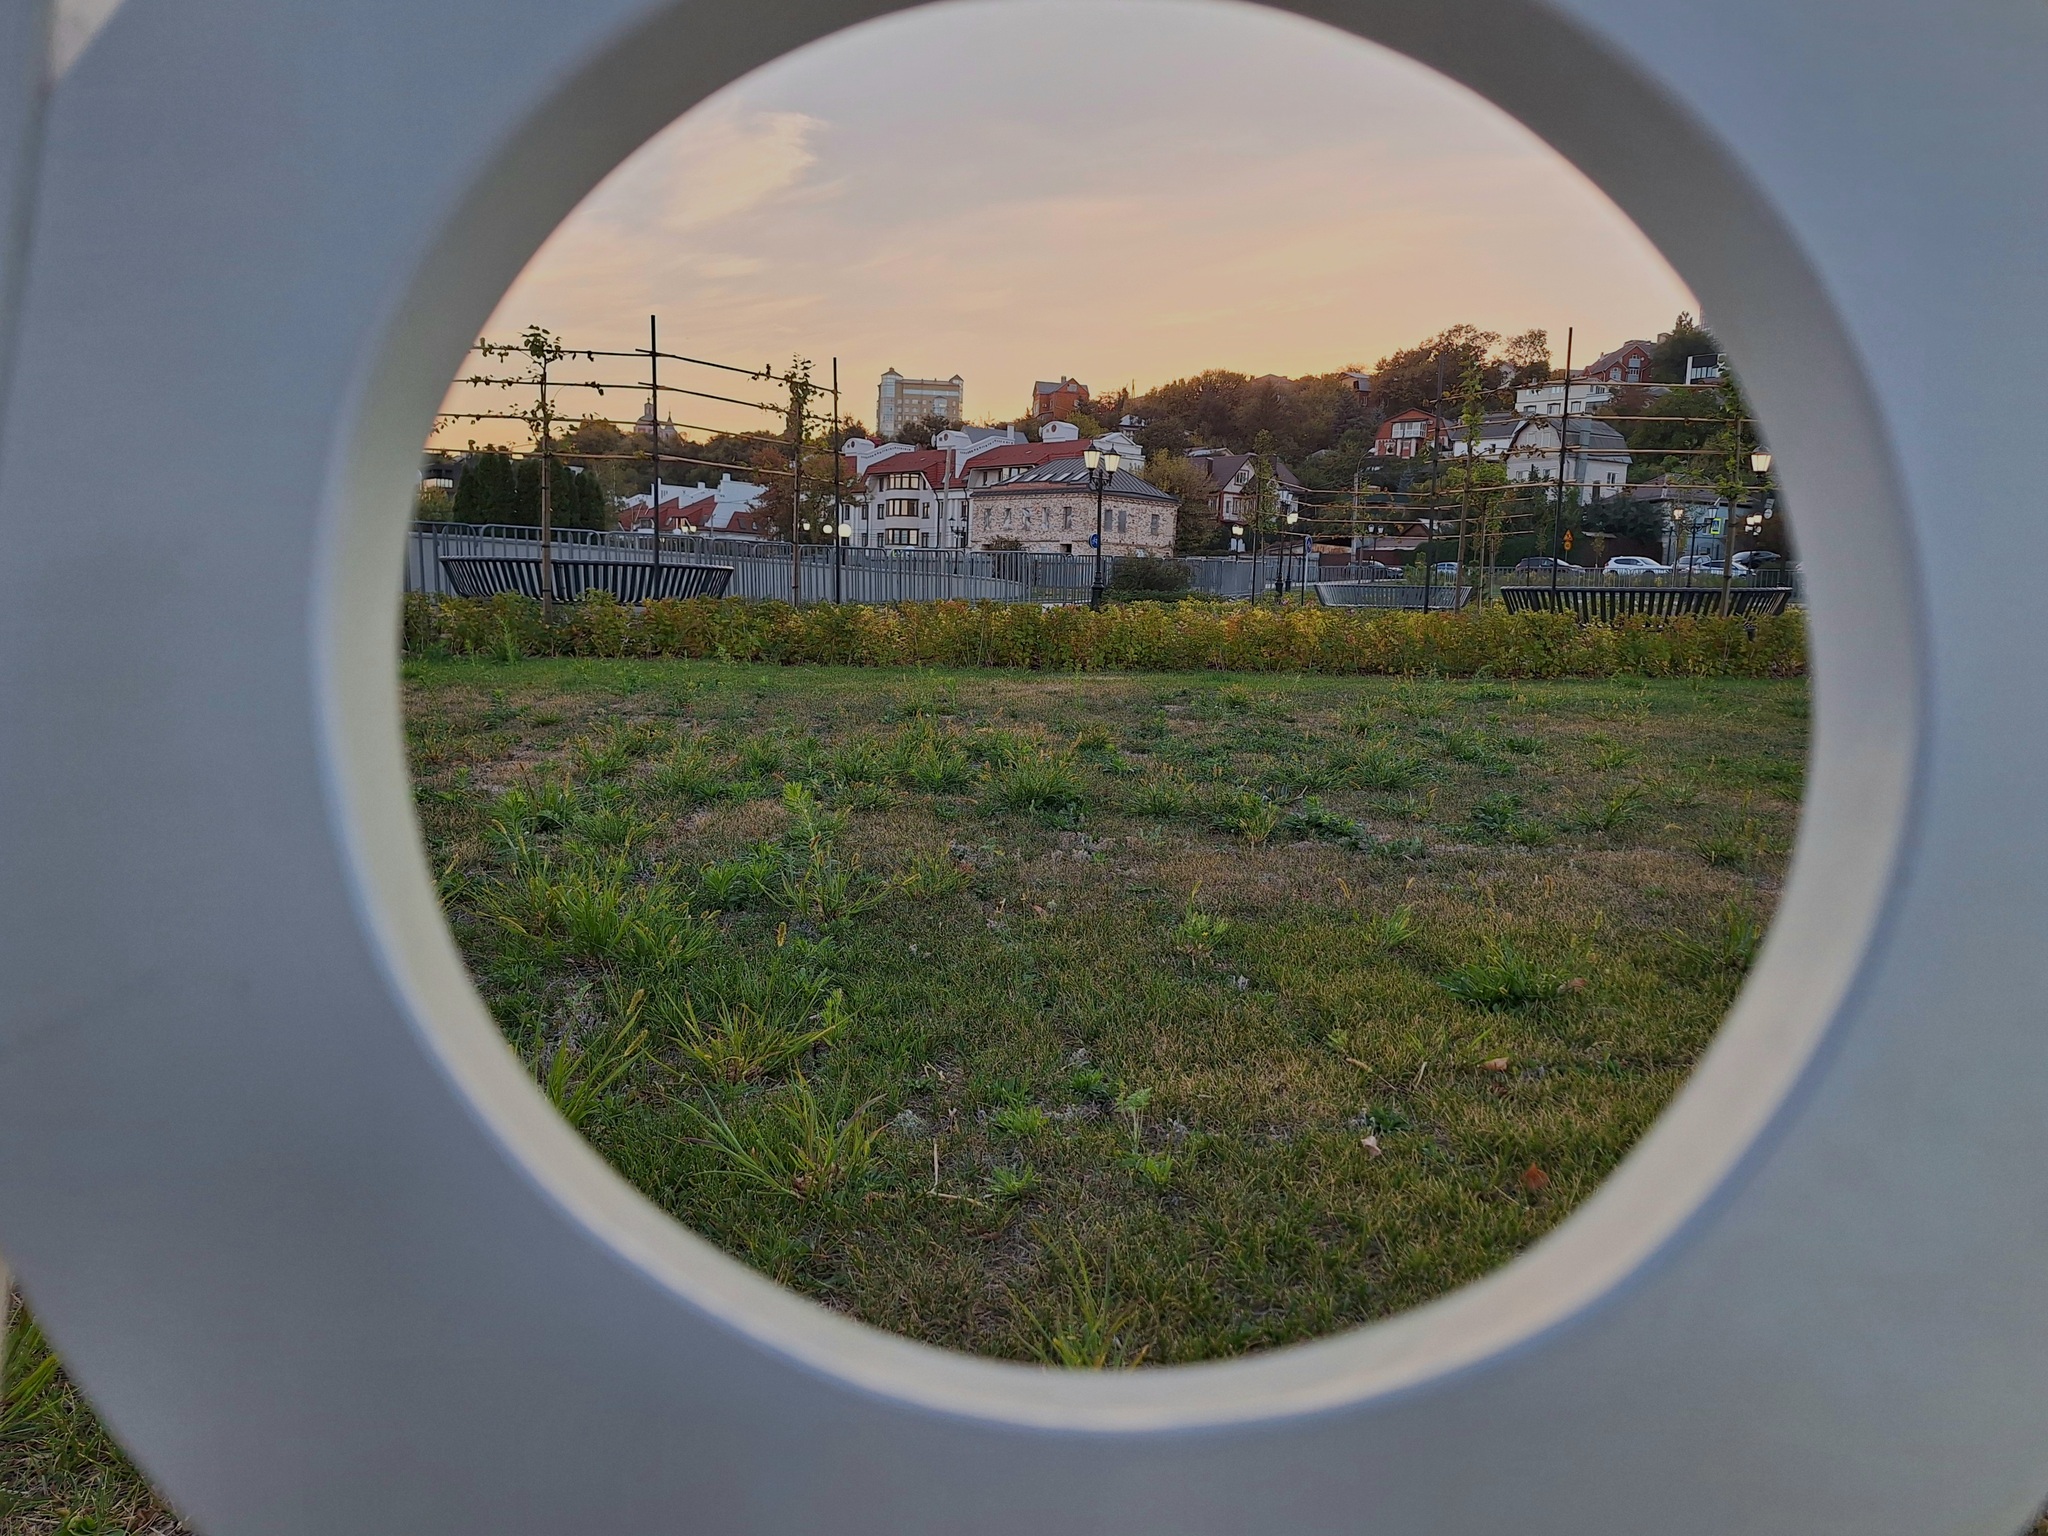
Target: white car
[(1636, 565)]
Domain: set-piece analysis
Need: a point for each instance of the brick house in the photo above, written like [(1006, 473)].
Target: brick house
[(1628, 363), (1056, 401), (1408, 434)]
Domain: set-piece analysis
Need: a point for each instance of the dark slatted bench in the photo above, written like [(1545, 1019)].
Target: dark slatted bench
[(1606, 604), (629, 582)]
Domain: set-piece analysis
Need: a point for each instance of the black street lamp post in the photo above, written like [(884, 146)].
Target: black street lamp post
[(1102, 469)]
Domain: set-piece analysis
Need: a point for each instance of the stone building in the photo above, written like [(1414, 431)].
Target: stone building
[(1050, 510)]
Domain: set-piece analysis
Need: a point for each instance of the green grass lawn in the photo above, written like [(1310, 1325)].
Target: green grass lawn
[(1094, 1020), (1105, 1020)]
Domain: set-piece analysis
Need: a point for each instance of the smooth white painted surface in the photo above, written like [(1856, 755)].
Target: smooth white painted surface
[(328, 1263)]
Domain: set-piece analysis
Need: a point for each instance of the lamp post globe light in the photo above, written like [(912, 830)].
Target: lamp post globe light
[(1102, 468)]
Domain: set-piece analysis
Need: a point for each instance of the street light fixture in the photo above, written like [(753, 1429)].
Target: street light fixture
[(1101, 469), (1760, 461)]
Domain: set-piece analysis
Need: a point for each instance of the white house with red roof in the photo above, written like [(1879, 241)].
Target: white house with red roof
[(1628, 363), (902, 497), (731, 510), (1410, 433)]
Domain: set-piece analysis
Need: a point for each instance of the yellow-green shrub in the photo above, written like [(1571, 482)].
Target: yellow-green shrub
[(1135, 637)]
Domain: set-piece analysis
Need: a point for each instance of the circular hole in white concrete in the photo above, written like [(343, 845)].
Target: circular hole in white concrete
[(1157, 1013)]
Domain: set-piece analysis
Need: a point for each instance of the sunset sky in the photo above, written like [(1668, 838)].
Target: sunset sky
[(1119, 190)]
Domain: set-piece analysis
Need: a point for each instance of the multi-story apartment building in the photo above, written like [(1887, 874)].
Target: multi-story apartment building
[(901, 401)]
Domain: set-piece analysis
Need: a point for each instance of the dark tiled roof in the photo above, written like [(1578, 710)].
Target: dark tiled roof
[(1072, 472)]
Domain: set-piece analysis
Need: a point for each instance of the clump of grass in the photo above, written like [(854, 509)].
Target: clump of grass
[(1019, 1120), (1729, 948), (933, 876), (795, 1143), (1153, 1169), (1198, 932), (1499, 818), (1735, 847), (933, 761), (606, 757), (762, 756), (923, 699), (1410, 849), (689, 777), (537, 805), (730, 885), (1083, 1329), (597, 912), (1503, 979), (1389, 930), (578, 1078), (1164, 797), (1091, 1083), (1007, 1184), (745, 1038), (1039, 782), (1615, 811), (1313, 819), (1247, 813), (862, 760), (1381, 767)]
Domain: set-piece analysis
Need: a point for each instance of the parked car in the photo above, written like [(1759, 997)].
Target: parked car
[(1635, 565), (1697, 565), (1376, 570), (1447, 568), (1759, 562), (1546, 563)]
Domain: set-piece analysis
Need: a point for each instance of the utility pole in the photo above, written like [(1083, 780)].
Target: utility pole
[(654, 441), (1737, 483), (838, 523), (797, 402), (1436, 463), (547, 475), (1564, 443), (1473, 414)]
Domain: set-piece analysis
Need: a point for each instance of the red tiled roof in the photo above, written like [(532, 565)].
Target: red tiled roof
[(929, 462), (1026, 455)]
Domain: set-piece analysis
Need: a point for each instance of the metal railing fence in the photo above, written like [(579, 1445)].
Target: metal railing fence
[(761, 570)]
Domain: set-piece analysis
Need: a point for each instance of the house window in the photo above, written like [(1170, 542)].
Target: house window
[(903, 482), (1123, 519), (899, 536), (1155, 522), (900, 506)]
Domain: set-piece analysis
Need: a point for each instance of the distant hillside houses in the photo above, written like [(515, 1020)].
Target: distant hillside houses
[(1596, 456), (1233, 487), (903, 497), (730, 509), (1058, 399)]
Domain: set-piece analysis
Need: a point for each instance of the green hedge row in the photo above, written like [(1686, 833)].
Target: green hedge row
[(1135, 637)]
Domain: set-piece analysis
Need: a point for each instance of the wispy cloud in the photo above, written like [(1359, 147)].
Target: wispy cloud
[(1115, 189)]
